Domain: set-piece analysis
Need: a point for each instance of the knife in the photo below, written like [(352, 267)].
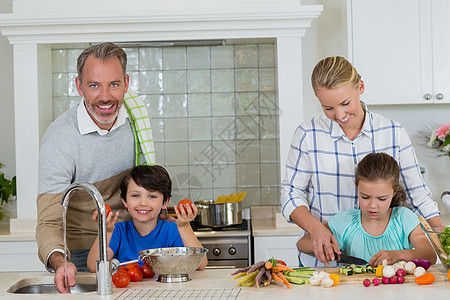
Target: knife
[(348, 259)]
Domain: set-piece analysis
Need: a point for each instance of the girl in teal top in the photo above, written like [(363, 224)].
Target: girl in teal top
[(382, 229)]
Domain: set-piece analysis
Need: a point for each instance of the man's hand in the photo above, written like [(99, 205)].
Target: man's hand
[(56, 260), (324, 244)]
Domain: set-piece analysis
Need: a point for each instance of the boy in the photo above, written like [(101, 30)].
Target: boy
[(145, 192)]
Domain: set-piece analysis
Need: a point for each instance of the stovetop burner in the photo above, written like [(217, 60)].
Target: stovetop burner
[(237, 227)]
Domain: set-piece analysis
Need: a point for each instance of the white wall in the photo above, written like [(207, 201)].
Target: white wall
[(7, 148), (327, 37)]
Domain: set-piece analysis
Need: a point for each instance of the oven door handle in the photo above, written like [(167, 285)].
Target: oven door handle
[(221, 267)]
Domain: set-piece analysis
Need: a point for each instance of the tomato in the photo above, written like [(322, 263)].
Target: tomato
[(123, 269), (133, 265), (108, 209), (147, 272), (282, 262), (135, 274), (121, 279), (182, 204)]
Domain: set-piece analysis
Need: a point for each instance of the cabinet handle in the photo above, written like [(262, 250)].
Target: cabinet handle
[(440, 96), (427, 96)]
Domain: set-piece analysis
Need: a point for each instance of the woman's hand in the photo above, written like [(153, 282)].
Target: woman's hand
[(324, 244), (186, 215), (111, 219)]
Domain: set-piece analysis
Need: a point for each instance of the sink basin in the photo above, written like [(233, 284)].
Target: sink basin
[(44, 285)]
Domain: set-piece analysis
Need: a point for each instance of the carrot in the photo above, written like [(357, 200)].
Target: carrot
[(268, 265), (240, 271), (255, 266), (285, 281), (259, 277), (284, 268), (276, 278)]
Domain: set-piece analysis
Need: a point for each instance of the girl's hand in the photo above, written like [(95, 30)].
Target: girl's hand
[(183, 217), (391, 256), (110, 220)]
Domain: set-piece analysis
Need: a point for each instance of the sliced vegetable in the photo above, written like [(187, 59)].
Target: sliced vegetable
[(422, 263), (295, 280), (427, 278)]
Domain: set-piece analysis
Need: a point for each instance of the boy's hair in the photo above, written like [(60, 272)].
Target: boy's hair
[(151, 178), (376, 166), (105, 52), (333, 72)]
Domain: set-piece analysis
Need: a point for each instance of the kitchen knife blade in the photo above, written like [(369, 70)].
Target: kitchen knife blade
[(348, 259)]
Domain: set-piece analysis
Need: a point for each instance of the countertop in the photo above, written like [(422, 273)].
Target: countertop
[(213, 279)]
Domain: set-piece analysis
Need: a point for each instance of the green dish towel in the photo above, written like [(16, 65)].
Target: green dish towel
[(140, 121)]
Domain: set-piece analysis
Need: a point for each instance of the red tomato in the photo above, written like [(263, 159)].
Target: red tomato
[(182, 204), (108, 209), (282, 262), (147, 272), (121, 279), (135, 274), (133, 265), (123, 269)]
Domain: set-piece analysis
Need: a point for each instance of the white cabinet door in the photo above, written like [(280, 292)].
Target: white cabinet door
[(401, 49), (280, 247)]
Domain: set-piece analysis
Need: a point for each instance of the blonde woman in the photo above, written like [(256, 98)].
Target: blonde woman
[(324, 153)]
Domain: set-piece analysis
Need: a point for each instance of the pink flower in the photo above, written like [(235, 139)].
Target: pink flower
[(442, 131)]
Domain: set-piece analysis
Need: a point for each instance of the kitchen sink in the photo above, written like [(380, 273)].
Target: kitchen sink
[(44, 285)]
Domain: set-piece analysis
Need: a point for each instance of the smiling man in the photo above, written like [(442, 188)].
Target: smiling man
[(93, 142)]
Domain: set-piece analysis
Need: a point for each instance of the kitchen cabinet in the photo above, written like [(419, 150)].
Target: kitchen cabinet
[(280, 247), (401, 48)]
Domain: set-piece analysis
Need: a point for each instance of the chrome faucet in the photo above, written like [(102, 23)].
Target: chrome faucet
[(104, 283)]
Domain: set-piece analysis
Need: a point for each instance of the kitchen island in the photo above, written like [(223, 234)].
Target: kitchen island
[(220, 282)]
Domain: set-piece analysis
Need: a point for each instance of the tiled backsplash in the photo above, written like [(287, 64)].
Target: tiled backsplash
[(213, 110)]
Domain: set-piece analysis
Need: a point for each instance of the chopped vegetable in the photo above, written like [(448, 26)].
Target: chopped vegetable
[(422, 263), (295, 280), (419, 271), (427, 278)]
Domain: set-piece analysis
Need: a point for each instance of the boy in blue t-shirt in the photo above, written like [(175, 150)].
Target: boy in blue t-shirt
[(145, 192)]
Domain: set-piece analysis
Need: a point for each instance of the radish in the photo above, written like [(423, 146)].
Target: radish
[(367, 282), (393, 280), (401, 272), (376, 281), (400, 279), (385, 280)]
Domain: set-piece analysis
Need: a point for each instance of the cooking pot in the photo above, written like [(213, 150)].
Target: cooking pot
[(212, 214)]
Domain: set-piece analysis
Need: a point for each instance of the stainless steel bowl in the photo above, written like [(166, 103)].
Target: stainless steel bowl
[(173, 264)]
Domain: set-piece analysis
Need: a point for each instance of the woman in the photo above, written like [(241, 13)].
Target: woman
[(322, 159)]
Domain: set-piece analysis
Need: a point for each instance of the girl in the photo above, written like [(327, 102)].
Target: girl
[(145, 192), (322, 158), (383, 228)]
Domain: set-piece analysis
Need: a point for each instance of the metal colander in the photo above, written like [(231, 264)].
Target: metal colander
[(173, 264)]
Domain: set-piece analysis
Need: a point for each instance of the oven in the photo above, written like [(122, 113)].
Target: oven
[(228, 246)]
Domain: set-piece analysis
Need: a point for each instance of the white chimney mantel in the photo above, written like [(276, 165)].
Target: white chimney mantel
[(35, 25)]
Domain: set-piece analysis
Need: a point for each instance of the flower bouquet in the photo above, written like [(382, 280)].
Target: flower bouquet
[(440, 139)]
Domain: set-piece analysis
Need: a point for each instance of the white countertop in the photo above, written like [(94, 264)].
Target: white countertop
[(220, 279)]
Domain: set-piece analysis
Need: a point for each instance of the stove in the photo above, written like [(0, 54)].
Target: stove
[(229, 246)]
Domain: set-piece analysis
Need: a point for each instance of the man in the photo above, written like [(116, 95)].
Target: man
[(93, 142)]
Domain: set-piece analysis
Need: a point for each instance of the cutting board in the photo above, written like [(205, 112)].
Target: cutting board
[(359, 278)]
